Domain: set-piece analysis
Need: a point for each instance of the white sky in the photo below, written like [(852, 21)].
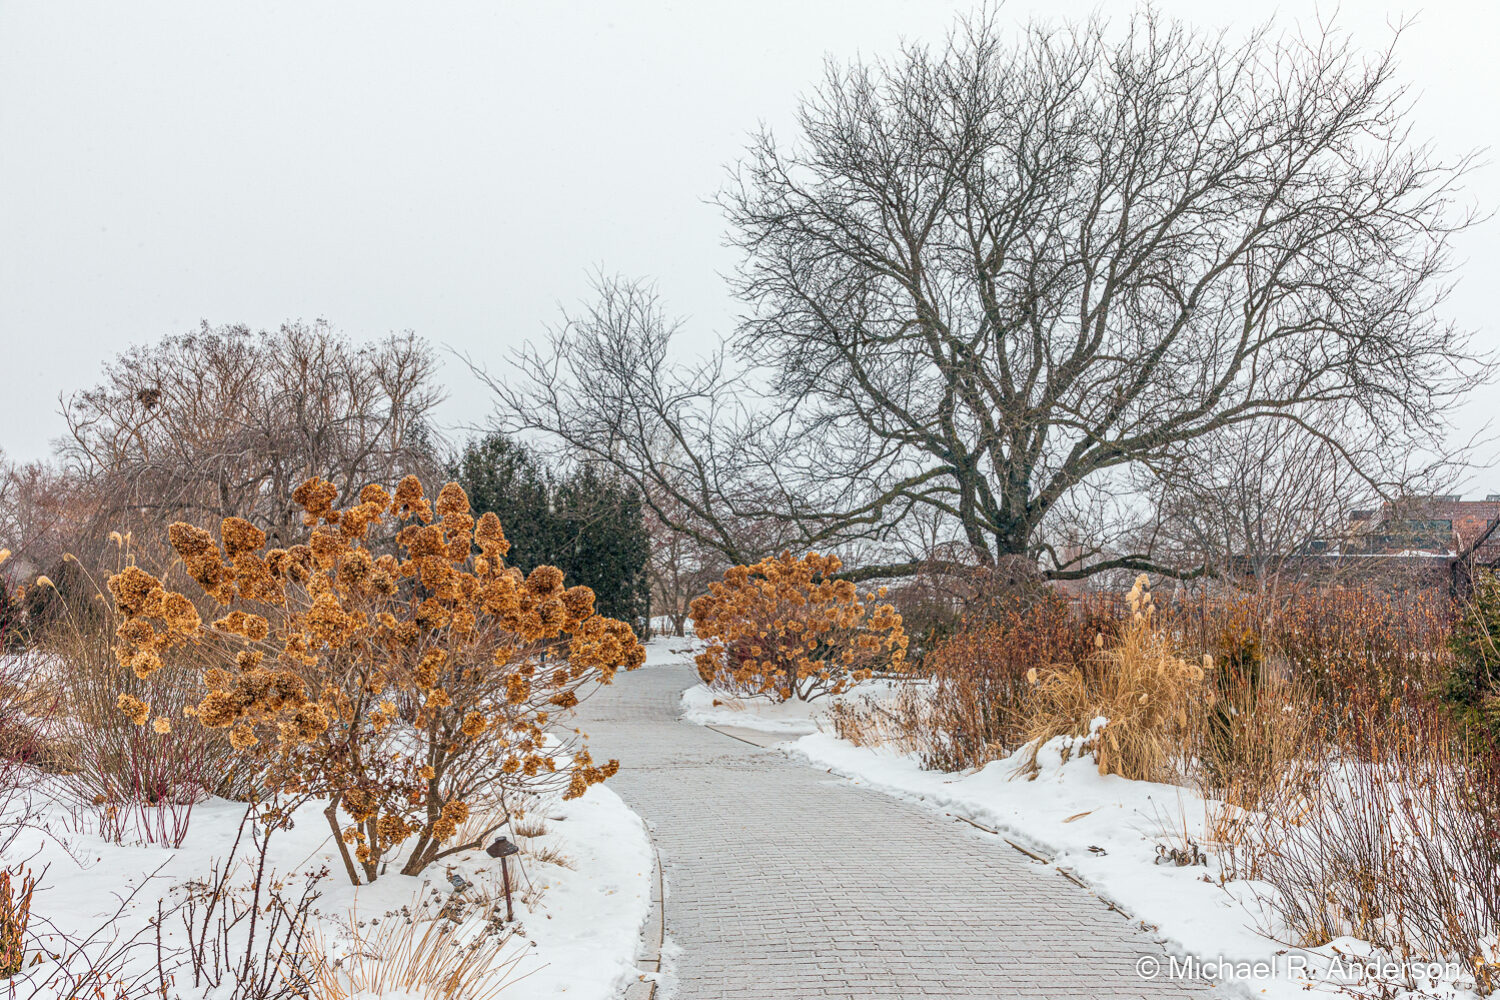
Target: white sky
[(459, 168)]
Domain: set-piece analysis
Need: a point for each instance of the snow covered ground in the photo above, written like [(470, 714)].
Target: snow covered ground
[(1103, 830), (668, 650), (582, 894)]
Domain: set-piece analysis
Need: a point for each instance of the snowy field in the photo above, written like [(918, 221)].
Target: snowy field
[(1113, 835)]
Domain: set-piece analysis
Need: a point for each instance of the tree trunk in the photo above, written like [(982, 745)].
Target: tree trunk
[(333, 824)]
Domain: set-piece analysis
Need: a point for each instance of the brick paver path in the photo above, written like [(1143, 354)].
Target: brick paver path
[(783, 881)]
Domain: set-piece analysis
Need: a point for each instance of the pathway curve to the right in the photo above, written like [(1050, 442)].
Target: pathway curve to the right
[(784, 882)]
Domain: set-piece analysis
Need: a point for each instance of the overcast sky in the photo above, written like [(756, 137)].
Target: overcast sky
[(458, 169)]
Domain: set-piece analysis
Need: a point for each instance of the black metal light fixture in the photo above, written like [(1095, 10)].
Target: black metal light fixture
[(502, 848)]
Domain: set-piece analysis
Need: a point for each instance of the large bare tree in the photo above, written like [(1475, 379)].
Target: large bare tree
[(999, 278)]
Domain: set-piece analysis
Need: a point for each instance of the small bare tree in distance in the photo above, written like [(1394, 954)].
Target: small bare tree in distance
[(1259, 503), (224, 422)]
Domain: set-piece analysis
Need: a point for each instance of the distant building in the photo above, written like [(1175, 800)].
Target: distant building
[(1421, 541), (1439, 525)]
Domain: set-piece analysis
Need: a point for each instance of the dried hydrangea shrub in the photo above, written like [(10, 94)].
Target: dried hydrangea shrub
[(396, 681), (788, 628)]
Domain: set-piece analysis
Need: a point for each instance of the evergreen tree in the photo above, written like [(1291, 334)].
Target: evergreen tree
[(502, 475), (587, 524), (605, 544), (1472, 687)]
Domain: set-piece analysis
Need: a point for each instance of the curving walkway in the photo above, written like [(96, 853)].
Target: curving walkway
[(785, 882)]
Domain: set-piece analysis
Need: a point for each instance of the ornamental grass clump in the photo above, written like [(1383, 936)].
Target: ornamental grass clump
[(979, 674), (787, 628), (1138, 703), (391, 666)]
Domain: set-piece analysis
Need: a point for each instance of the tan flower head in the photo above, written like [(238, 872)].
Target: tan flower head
[(202, 560), (133, 590), (315, 497), (252, 627), (490, 537), (133, 708), (375, 494), (545, 581), (452, 500), (240, 536), (408, 501), (327, 545)]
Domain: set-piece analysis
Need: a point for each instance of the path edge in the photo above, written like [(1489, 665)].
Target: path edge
[(653, 932)]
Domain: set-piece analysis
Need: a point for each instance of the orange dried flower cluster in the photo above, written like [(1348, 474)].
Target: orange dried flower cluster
[(392, 664), (787, 628)]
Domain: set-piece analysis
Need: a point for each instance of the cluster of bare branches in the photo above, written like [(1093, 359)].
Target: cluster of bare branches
[(226, 422), (1006, 281), (1256, 502), (679, 566), (256, 940), (606, 387)]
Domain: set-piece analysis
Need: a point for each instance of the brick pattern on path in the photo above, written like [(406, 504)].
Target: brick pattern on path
[(784, 882)]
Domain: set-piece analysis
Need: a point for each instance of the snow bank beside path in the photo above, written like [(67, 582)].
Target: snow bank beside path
[(589, 923), (791, 719), (578, 922), (668, 651)]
